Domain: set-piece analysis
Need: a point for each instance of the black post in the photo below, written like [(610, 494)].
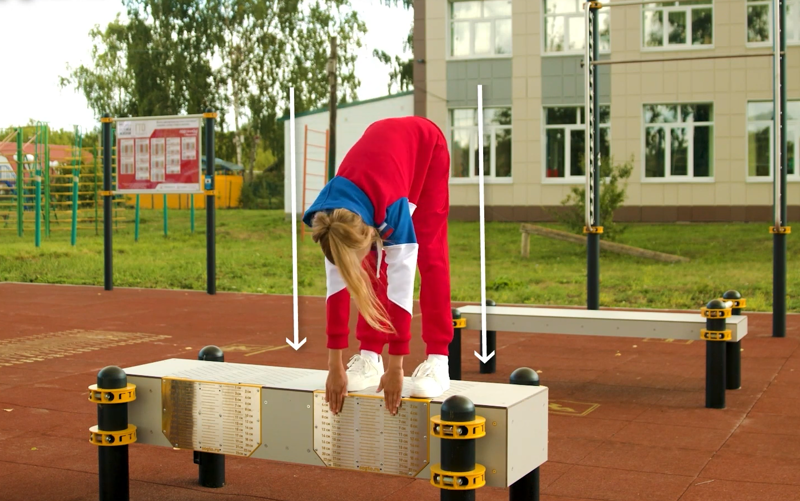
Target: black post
[(211, 466), (715, 315), (490, 367), (211, 249), (457, 454), (112, 417), (454, 350), (733, 350), (779, 236), (593, 238), (108, 217), (526, 488)]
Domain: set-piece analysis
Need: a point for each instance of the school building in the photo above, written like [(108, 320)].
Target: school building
[(699, 133)]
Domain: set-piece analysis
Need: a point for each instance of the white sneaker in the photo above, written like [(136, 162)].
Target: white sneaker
[(430, 379), (363, 373)]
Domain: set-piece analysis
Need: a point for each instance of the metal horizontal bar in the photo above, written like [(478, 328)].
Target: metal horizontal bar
[(135, 119), (669, 59)]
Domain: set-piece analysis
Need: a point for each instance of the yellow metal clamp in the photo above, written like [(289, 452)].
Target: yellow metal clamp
[(595, 5), (737, 303), (596, 229), (715, 313), (104, 193), (715, 335), (459, 323), (106, 120), (458, 480), (459, 431), (780, 229), (209, 115), (210, 193), (112, 438), (115, 396)]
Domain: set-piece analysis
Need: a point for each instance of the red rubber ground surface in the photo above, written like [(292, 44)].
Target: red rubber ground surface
[(647, 435)]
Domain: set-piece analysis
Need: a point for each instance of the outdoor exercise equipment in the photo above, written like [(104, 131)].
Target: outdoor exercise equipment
[(723, 362), (593, 226), (476, 434)]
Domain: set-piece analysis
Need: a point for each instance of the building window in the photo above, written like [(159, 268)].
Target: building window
[(761, 141), (759, 22), (679, 141), (565, 146), (676, 24), (480, 28), (496, 142), (565, 28)]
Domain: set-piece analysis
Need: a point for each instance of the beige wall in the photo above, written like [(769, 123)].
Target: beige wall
[(729, 84)]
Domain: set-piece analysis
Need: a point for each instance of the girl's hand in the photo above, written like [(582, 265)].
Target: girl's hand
[(392, 386), (336, 388)]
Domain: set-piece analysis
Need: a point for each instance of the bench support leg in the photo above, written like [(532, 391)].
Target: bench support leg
[(490, 367), (733, 365), (454, 349), (211, 467), (715, 374)]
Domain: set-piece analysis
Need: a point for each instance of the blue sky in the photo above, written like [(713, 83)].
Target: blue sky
[(41, 36)]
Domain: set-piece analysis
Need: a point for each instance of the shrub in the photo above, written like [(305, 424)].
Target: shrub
[(613, 183)]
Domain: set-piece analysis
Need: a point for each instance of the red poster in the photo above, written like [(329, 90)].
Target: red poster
[(158, 155)]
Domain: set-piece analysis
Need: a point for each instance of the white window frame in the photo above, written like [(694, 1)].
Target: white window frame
[(578, 14), (472, 56), (492, 129), (668, 177), (791, 126), (580, 125), (665, 32), (771, 28)]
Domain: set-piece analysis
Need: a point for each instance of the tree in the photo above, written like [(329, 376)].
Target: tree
[(401, 71), (159, 61)]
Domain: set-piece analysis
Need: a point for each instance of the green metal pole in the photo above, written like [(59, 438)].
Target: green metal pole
[(136, 221), (108, 255), (38, 183), (20, 182), (96, 220), (75, 173), (47, 181), (166, 232), (191, 211), (211, 241)]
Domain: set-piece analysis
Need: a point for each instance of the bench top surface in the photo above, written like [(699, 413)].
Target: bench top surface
[(616, 323), (567, 313), (484, 394)]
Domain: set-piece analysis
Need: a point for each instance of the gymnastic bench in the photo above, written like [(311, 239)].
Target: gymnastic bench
[(635, 324)]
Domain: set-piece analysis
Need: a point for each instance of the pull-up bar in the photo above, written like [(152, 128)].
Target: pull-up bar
[(670, 59)]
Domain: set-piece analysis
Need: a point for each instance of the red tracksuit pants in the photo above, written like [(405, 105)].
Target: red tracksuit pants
[(433, 263)]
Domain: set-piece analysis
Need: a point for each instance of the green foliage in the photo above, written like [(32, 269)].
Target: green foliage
[(613, 183), (265, 190), (181, 56), (401, 72)]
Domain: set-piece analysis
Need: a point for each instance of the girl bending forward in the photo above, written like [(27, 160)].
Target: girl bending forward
[(381, 216)]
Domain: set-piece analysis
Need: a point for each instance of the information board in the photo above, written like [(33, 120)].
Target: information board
[(158, 155), (365, 437)]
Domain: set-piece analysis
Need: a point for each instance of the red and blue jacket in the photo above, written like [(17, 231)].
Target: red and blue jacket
[(380, 179)]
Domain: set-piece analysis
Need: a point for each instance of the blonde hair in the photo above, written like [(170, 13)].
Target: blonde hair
[(344, 236)]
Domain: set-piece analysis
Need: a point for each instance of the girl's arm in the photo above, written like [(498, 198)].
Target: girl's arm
[(337, 309)]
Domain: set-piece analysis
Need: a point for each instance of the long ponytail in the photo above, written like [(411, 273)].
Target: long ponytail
[(344, 236)]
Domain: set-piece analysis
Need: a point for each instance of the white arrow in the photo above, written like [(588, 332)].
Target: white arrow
[(484, 357), (297, 343)]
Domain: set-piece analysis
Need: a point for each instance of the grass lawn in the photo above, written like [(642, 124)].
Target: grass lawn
[(254, 254)]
